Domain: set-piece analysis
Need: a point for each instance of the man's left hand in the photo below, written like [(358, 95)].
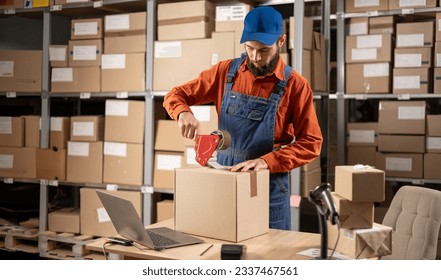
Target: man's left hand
[(253, 164)]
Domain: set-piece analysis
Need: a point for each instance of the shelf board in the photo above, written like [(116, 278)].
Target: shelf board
[(385, 96)]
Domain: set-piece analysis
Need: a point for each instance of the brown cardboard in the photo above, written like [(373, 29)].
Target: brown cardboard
[(126, 75), (437, 55), (164, 210), (309, 180), (369, 48), (85, 52), (412, 81), (124, 24), (76, 79), (18, 162), (401, 143), (124, 121), (433, 125), (51, 164), (382, 25), (12, 132), (351, 6), (58, 55), (433, 144), (319, 76), (64, 220), (59, 132), (94, 218), (23, 70), (91, 28), (306, 64), (362, 134), (123, 163), (87, 128), (308, 25), (415, 34), (185, 20), (432, 162), (402, 117), (399, 4), (368, 78), (32, 131), (85, 162), (437, 27), (361, 155), (359, 184), (412, 57), (221, 204), (134, 43), (358, 26), (164, 165), (231, 17), (314, 164), (168, 136), (354, 214), (400, 165), (436, 80)]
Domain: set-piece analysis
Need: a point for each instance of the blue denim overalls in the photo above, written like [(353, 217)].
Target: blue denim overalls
[(250, 120)]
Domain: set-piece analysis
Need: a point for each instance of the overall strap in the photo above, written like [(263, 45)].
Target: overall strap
[(279, 88), (235, 64)]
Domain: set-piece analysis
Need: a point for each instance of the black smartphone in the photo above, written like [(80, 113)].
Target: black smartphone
[(120, 241)]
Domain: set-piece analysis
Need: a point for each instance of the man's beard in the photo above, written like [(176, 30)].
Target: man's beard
[(265, 69)]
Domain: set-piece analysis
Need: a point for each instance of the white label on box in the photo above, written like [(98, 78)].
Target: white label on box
[(369, 41), (361, 136), (434, 143), (103, 216), (406, 82), (348, 233), (113, 61), (408, 60), (411, 112), (84, 52), (79, 149), (410, 40), (214, 58), (366, 3), (117, 22), (56, 124), (358, 28), (117, 108), (375, 70), (412, 3), (201, 113), (231, 13), (169, 162), (115, 149), (83, 128), (86, 28), (438, 60), (57, 54), (439, 25), (6, 161), (62, 74), (398, 164), (6, 68), (191, 156), (364, 54), (168, 49), (5, 125)]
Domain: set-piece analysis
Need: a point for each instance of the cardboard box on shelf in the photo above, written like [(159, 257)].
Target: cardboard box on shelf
[(432, 162), (306, 64), (434, 125), (125, 24), (91, 28), (437, 80), (76, 79), (18, 162), (402, 117), (123, 163), (415, 34), (51, 164), (354, 214), (368, 78), (85, 52), (360, 183), (164, 210), (221, 204), (401, 143), (400, 164), (21, 70), (64, 220), (308, 26), (12, 4), (58, 55), (32, 131), (231, 17), (165, 164), (437, 27), (358, 26), (413, 57), (59, 132), (168, 136), (369, 48), (87, 128), (354, 6), (85, 162), (123, 72), (124, 121), (318, 55), (437, 54), (382, 25), (12, 132), (362, 134), (411, 81), (361, 155), (135, 43), (399, 4)]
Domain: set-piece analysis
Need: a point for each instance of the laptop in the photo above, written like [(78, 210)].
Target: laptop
[(128, 224)]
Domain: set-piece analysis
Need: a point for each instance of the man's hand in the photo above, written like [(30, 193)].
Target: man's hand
[(188, 125), (253, 164)]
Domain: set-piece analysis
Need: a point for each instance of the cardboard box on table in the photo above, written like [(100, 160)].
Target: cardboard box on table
[(354, 214)]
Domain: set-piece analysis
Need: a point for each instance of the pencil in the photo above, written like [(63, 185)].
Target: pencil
[(206, 250)]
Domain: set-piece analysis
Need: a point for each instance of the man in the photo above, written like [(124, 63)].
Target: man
[(262, 103)]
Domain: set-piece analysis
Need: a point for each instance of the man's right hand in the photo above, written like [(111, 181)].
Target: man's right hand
[(188, 125)]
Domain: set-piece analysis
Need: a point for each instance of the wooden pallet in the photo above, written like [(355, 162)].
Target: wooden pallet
[(19, 238), (66, 246)]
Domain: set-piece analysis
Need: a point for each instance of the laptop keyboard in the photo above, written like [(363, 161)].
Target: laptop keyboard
[(160, 240)]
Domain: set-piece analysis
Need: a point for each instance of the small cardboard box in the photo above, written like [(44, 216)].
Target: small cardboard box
[(369, 48), (51, 164), (85, 52), (125, 24), (382, 25), (18, 162), (231, 206), (402, 117), (354, 214), (164, 165), (413, 57), (64, 220), (362, 243), (91, 28), (21, 70), (358, 26), (76, 79), (401, 143), (58, 55), (123, 72), (85, 162), (362, 134), (412, 81), (399, 4), (32, 131), (125, 44), (368, 78), (355, 6), (12, 132), (415, 34), (165, 210), (231, 17), (360, 183), (87, 128), (59, 132), (400, 165)]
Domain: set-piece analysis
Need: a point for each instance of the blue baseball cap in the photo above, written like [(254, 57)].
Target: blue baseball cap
[(262, 24)]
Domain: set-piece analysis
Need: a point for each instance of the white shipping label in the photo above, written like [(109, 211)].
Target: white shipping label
[(231, 13), (56, 124), (57, 54), (201, 113), (433, 143), (86, 28), (168, 49), (359, 28), (406, 82), (84, 52), (191, 156), (117, 22), (113, 61), (412, 3), (438, 60), (411, 113), (348, 233), (439, 25), (364, 54), (169, 162), (366, 3), (83, 128), (62, 74), (408, 60), (398, 164), (115, 149), (6, 68), (410, 40), (361, 136), (118, 108), (369, 41), (79, 149), (6, 161), (103, 216), (375, 70), (214, 58), (5, 125)]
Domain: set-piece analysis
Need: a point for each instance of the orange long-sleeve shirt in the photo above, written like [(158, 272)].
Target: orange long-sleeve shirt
[(296, 117)]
